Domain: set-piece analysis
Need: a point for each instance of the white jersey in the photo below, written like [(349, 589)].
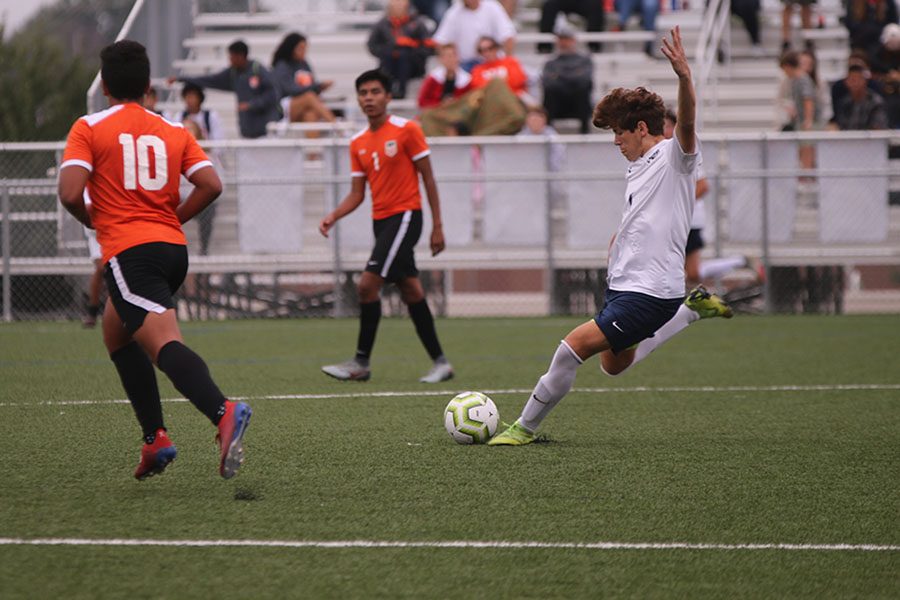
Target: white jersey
[(648, 253)]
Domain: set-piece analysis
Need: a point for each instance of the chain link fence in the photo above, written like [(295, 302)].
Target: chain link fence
[(527, 224)]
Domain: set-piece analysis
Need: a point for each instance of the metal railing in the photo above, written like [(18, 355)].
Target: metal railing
[(526, 232)]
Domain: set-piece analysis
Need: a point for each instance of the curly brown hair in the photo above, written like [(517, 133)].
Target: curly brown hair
[(622, 109)]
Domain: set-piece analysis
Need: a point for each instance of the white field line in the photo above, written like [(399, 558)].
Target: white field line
[(500, 392), (447, 544)]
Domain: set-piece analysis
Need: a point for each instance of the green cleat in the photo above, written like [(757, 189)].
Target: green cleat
[(707, 305), (515, 435)]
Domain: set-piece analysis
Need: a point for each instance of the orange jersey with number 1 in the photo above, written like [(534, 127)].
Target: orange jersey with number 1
[(386, 157), (135, 159)]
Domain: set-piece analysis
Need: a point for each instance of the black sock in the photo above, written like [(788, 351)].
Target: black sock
[(369, 316), (190, 376), (421, 316), (93, 310), (139, 380)]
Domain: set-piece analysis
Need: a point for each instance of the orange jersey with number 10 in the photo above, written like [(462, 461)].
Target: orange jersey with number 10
[(386, 157), (135, 159)]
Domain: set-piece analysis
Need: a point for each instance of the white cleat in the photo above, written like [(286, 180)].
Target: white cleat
[(439, 372), (350, 370)]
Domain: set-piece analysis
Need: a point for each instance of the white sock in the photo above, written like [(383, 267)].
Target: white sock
[(683, 317), (551, 387), (717, 267)]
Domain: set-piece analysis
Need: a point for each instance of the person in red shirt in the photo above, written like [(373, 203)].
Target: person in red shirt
[(497, 66), (446, 81), (127, 161), (390, 154)]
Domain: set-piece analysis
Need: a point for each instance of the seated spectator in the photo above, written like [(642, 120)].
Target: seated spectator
[(298, 87), (861, 109), (536, 125), (446, 81), (253, 85), (491, 110), (467, 21), (496, 65), (433, 9), (568, 80), (886, 70), (865, 20), (401, 44), (592, 10), (649, 9), (839, 88)]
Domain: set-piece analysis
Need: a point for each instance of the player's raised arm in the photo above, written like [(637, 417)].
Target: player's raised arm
[(685, 130), (423, 165)]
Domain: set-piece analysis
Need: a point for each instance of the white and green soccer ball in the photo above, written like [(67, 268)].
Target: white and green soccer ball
[(471, 418)]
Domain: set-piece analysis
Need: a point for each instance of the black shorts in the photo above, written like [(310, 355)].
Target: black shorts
[(694, 241), (630, 317), (143, 279), (395, 238)]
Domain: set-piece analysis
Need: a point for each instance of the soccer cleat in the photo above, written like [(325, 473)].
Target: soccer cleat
[(707, 305), (350, 370), (514, 435), (155, 457), (230, 438), (441, 371)]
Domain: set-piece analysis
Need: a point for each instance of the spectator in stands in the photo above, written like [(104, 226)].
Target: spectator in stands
[(208, 121), (862, 109), (649, 9), (469, 20), (592, 10), (204, 124), (253, 85), (433, 9), (568, 80), (536, 125), (803, 110), (865, 20), (839, 88), (497, 65), (150, 100), (400, 42), (298, 88), (748, 12), (887, 71), (809, 64), (787, 15), (447, 81)]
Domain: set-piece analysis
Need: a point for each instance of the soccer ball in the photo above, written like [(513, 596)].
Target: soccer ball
[(471, 418)]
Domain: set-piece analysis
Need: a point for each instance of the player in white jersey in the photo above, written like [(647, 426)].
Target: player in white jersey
[(645, 298)]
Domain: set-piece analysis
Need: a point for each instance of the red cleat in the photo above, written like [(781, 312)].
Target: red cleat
[(155, 457), (230, 437)]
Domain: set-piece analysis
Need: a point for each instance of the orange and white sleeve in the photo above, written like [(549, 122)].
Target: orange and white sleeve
[(78, 152), (194, 158), (414, 142)]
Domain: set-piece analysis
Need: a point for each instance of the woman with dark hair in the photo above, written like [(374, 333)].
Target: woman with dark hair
[(297, 85)]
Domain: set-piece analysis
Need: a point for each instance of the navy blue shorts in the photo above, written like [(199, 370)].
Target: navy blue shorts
[(630, 317), (694, 241)]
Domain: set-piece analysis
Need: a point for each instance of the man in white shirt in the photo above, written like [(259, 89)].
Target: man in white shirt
[(467, 21), (644, 300)]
